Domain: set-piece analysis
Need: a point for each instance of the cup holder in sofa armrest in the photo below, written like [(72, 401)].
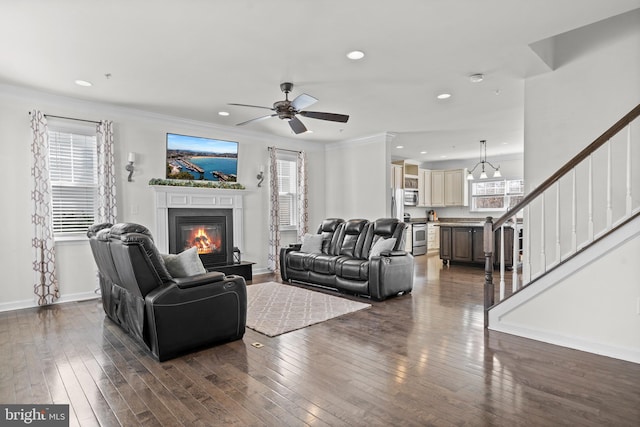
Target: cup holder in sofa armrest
[(394, 253), (199, 280)]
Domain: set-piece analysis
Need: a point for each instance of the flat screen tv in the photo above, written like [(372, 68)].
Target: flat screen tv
[(195, 158)]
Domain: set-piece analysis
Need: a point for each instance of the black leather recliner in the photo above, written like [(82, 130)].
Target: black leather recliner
[(170, 316)]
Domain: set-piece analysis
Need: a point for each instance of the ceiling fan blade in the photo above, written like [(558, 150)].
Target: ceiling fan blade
[(303, 101), (297, 125), (253, 106), (257, 119), (342, 118)]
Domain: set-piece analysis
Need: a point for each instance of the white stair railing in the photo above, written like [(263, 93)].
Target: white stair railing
[(593, 207)]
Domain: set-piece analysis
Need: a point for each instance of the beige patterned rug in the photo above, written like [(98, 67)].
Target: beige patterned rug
[(274, 309)]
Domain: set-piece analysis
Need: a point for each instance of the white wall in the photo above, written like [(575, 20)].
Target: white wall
[(356, 179), (595, 84), (144, 134)]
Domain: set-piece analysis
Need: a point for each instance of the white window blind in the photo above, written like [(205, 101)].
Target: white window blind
[(287, 192), (73, 174)]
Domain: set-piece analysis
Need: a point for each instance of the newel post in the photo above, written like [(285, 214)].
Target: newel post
[(488, 242)]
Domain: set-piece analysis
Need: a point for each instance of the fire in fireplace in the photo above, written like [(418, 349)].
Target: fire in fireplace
[(207, 239), (209, 230)]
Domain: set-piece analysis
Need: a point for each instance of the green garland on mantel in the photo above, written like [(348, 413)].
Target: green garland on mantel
[(198, 184)]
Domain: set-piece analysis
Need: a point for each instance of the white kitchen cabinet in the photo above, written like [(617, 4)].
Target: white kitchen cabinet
[(456, 189), (433, 237), (437, 188), (424, 188), (409, 173)]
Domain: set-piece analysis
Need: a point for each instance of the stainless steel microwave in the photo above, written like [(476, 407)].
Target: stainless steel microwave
[(410, 197)]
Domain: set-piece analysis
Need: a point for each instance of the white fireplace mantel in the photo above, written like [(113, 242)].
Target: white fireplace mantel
[(168, 197)]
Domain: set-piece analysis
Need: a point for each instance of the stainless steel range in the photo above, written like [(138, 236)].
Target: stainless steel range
[(419, 239)]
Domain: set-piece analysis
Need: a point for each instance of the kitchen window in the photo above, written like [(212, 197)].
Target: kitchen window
[(491, 196)]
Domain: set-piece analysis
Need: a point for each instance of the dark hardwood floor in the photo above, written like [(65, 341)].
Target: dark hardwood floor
[(416, 360)]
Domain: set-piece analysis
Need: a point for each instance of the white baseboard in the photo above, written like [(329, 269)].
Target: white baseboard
[(17, 305), (628, 354), (258, 271), (20, 305)]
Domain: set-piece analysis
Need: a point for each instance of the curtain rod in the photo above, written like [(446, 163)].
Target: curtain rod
[(69, 118), (284, 149)]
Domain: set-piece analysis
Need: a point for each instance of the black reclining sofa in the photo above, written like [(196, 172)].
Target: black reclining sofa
[(344, 261), (168, 315)]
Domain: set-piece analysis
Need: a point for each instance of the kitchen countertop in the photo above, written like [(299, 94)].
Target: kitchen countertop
[(469, 223), (418, 221), (465, 222), (451, 222)]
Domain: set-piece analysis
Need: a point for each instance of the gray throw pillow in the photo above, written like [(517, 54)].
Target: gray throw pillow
[(382, 245), (184, 264), (311, 243)]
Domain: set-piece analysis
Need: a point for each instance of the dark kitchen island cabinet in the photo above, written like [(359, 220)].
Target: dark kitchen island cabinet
[(465, 244)]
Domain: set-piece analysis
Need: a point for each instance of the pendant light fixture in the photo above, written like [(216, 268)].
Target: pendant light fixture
[(482, 162)]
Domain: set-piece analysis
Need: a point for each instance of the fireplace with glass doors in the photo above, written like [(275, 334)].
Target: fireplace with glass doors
[(211, 232)]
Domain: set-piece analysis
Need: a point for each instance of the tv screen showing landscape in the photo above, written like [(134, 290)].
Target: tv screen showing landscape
[(195, 158)]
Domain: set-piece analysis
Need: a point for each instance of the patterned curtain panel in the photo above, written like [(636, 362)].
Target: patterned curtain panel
[(273, 261), (106, 210), (303, 203), (44, 260)]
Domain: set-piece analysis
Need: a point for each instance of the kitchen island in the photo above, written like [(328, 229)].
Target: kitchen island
[(462, 240)]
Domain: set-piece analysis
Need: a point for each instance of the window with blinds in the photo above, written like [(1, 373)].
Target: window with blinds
[(287, 192), (74, 181), (496, 195)]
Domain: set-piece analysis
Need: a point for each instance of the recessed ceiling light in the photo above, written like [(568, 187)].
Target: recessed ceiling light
[(443, 157), (444, 96), (476, 78), (83, 83), (399, 146), (223, 113), (355, 55), (423, 152)]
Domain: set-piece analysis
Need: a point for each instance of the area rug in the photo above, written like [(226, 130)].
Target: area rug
[(274, 309)]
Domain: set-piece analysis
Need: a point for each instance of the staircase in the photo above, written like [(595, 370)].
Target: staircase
[(582, 220)]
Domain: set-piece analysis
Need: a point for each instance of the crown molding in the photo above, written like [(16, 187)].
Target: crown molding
[(92, 110)]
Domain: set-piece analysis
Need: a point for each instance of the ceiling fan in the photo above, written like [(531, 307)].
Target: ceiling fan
[(287, 110)]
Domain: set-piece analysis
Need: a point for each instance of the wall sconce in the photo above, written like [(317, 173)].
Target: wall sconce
[(129, 167), (260, 176)]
